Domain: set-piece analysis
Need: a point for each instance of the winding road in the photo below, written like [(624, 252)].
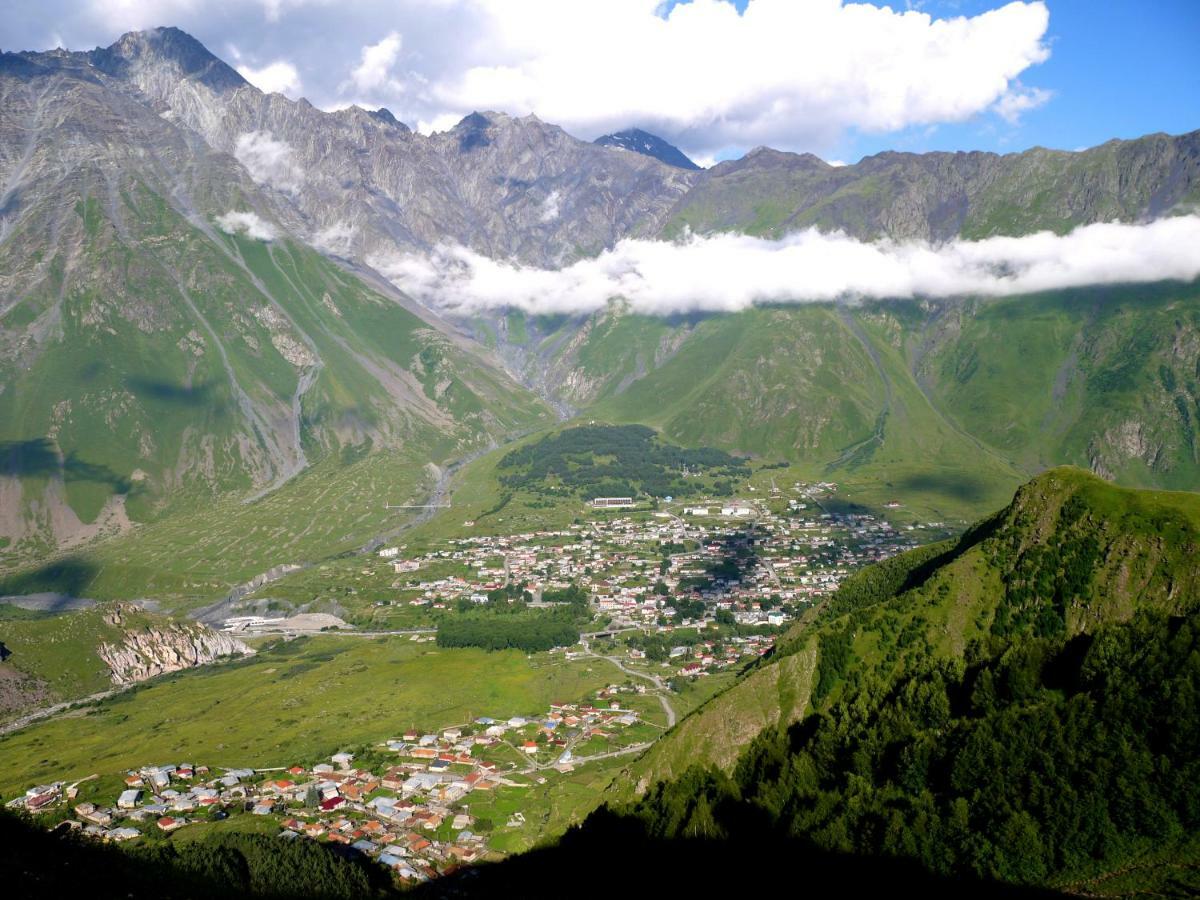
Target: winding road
[(660, 688)]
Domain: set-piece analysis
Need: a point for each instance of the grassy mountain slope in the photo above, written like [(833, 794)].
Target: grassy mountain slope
[(1069, 553), (826, 388), (152, 362), (59, 657), (937, 196), (955, 403), (1017, 705), (1103, 377)]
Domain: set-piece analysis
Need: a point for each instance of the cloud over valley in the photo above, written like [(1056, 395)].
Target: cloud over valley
[(728, 272)]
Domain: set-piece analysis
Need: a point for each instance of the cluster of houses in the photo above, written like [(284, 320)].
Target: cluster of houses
[(410, 816), (802, 552)]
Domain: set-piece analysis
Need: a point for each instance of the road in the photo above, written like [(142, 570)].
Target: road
[(661, 689)]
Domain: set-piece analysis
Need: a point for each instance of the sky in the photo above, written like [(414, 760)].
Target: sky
[(713, 76)]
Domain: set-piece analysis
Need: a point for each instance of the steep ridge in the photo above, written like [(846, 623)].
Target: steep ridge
[(938, 196), (1069, 554), (367, 187), (152, 359), (1017, 705)]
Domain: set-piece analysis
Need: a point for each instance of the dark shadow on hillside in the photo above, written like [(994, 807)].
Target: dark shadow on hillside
[(69, 576), (612, 855), (39, 863), (959, 486), (38, 457), (169, 392)]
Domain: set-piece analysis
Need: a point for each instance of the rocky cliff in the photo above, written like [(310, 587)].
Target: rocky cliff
[(155, 650)]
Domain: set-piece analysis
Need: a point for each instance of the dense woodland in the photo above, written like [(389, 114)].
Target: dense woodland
[(618, 461), (62, 864), (527, 630), (1055, 757)]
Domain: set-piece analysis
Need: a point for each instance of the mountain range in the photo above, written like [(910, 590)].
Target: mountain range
[(191, 304)]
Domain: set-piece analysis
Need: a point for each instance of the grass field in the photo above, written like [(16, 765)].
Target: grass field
[(549, 808), (295, 702), (194, 558)]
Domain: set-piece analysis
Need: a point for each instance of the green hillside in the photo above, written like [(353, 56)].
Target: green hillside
[(1017, 705), (938, 196), (1070, 552), (1105, 377), (950, 405), (51, 658), (153, 362)]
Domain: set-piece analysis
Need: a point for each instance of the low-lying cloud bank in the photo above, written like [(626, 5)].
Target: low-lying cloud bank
[(732, 272)]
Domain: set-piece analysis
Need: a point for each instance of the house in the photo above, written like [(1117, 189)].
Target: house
[(612, 502), (530, 747), (342, 760), (38, 797), (129, 799), (168, 823), (92, 814)]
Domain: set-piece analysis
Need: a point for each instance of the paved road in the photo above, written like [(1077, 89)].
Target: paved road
[(653, 679)]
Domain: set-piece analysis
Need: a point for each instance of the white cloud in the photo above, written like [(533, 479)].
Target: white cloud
[(732, 272), (375, 64), (247, 223), (1019, 100), (783, 72), (269, 161), (795, 74), (335, 239), (550, 207), (279, 77)]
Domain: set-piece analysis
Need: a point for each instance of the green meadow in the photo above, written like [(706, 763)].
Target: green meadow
[(294, 702)]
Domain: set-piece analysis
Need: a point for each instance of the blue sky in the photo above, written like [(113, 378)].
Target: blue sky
[(841, 81), (1117, 69)]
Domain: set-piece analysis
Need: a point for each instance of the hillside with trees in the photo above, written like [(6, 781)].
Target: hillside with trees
[(1017, 705)]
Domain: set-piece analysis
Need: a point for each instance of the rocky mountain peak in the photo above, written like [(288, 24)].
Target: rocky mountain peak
[(172, 51), (384, 115), (639, 141)]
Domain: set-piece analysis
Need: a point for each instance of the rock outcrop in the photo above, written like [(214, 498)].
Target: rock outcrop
[(147, 652)]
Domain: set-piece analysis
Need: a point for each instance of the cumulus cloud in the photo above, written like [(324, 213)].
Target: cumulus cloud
[(279, 77), (336, 239), (373, 71), (1019, 100), (781, 72), (732, 272), (791, 74), (269, 161), (247, 223)]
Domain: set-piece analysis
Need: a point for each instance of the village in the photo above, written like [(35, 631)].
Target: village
[(412, 812), (670, 595), (677, 573)]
